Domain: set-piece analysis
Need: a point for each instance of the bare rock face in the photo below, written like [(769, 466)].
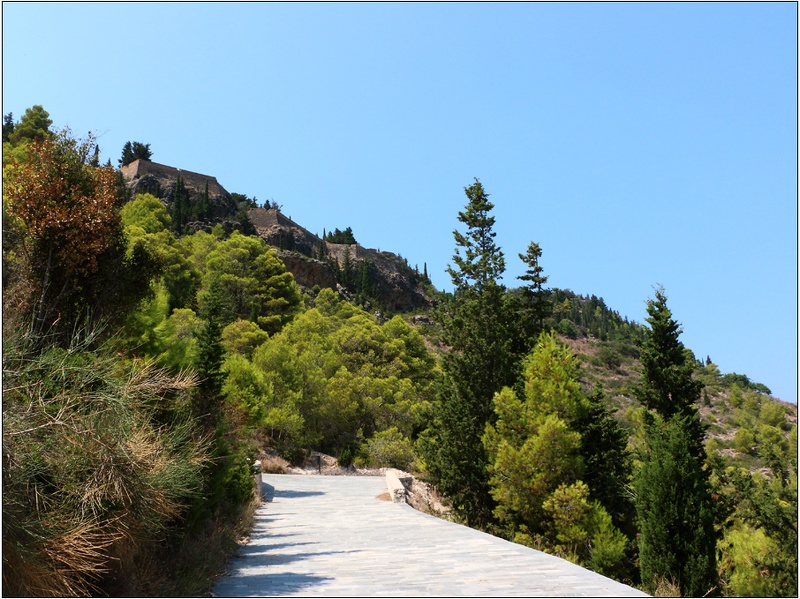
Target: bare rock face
[(146, 184), (307, 271)]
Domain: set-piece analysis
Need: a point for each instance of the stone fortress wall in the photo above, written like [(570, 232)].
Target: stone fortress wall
[(140, 167)]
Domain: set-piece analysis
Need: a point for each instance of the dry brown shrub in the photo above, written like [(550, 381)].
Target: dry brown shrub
[(91, 479), (666, 588), (274, 465)]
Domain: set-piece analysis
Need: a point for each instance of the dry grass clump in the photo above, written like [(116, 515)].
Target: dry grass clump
[(95, 466), (664, 587), (274, 464)]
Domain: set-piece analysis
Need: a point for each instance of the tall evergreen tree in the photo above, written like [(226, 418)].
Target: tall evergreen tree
[(180, 207), (673, 497), (533, 302), (606, 459), (538, 304), (675, 515), (210, 350), (204, 208), (667, 384), (483, 263), (476, 326), (34, 125)]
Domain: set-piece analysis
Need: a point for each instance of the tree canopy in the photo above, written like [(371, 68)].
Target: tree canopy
[(337, 236), (134, 151), (33, 126)]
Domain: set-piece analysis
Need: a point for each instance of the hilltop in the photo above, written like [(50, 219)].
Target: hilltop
[(377, 280)]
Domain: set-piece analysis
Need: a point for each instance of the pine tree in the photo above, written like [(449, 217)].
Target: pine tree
[(134, 151), (667, 385), (535, 303), (476, 326), (127, 154), (483, 263), (673, 498), (677, 540), (348, 276), (607, 462)]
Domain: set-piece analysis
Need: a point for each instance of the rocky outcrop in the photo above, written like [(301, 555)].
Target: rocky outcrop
[(393, 283), (283, 233), (396, 284), (381, 278), (307, 271)]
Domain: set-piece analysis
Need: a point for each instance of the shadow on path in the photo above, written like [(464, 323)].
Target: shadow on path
[(265, 558), (269, 493), (279, 584)]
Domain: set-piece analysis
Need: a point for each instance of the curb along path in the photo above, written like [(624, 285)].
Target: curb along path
[(331, 536)]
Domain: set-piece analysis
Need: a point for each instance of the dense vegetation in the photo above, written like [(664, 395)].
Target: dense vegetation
[(147, 363)]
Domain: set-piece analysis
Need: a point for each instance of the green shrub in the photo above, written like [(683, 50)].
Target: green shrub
[(609, 357), (744, 441), (389, 448), (568, 328)]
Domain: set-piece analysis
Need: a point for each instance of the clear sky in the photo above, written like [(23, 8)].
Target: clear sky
[(638, 144)]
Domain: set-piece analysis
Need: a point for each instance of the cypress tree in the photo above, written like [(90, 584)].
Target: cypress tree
[(210, 351), (179, 208), (348, 276), (674, 506), (204, 212)]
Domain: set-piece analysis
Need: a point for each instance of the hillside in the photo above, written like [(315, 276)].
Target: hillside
[(364, 274), (736, 416), (744, 421), (379, 280)]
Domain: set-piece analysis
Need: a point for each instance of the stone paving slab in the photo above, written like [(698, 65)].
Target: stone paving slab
[(331, 536)]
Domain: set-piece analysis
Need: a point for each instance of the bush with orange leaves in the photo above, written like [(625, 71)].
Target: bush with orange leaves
[(66, 251)]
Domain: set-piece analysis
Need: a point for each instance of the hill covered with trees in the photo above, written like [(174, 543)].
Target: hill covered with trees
[(156, 343)]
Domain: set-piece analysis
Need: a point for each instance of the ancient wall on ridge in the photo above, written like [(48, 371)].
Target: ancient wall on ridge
[(140, 168)]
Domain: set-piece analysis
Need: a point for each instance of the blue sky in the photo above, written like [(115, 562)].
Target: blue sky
[(638, 144)]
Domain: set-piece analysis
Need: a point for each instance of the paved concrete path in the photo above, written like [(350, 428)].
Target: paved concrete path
[(330, 536)]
